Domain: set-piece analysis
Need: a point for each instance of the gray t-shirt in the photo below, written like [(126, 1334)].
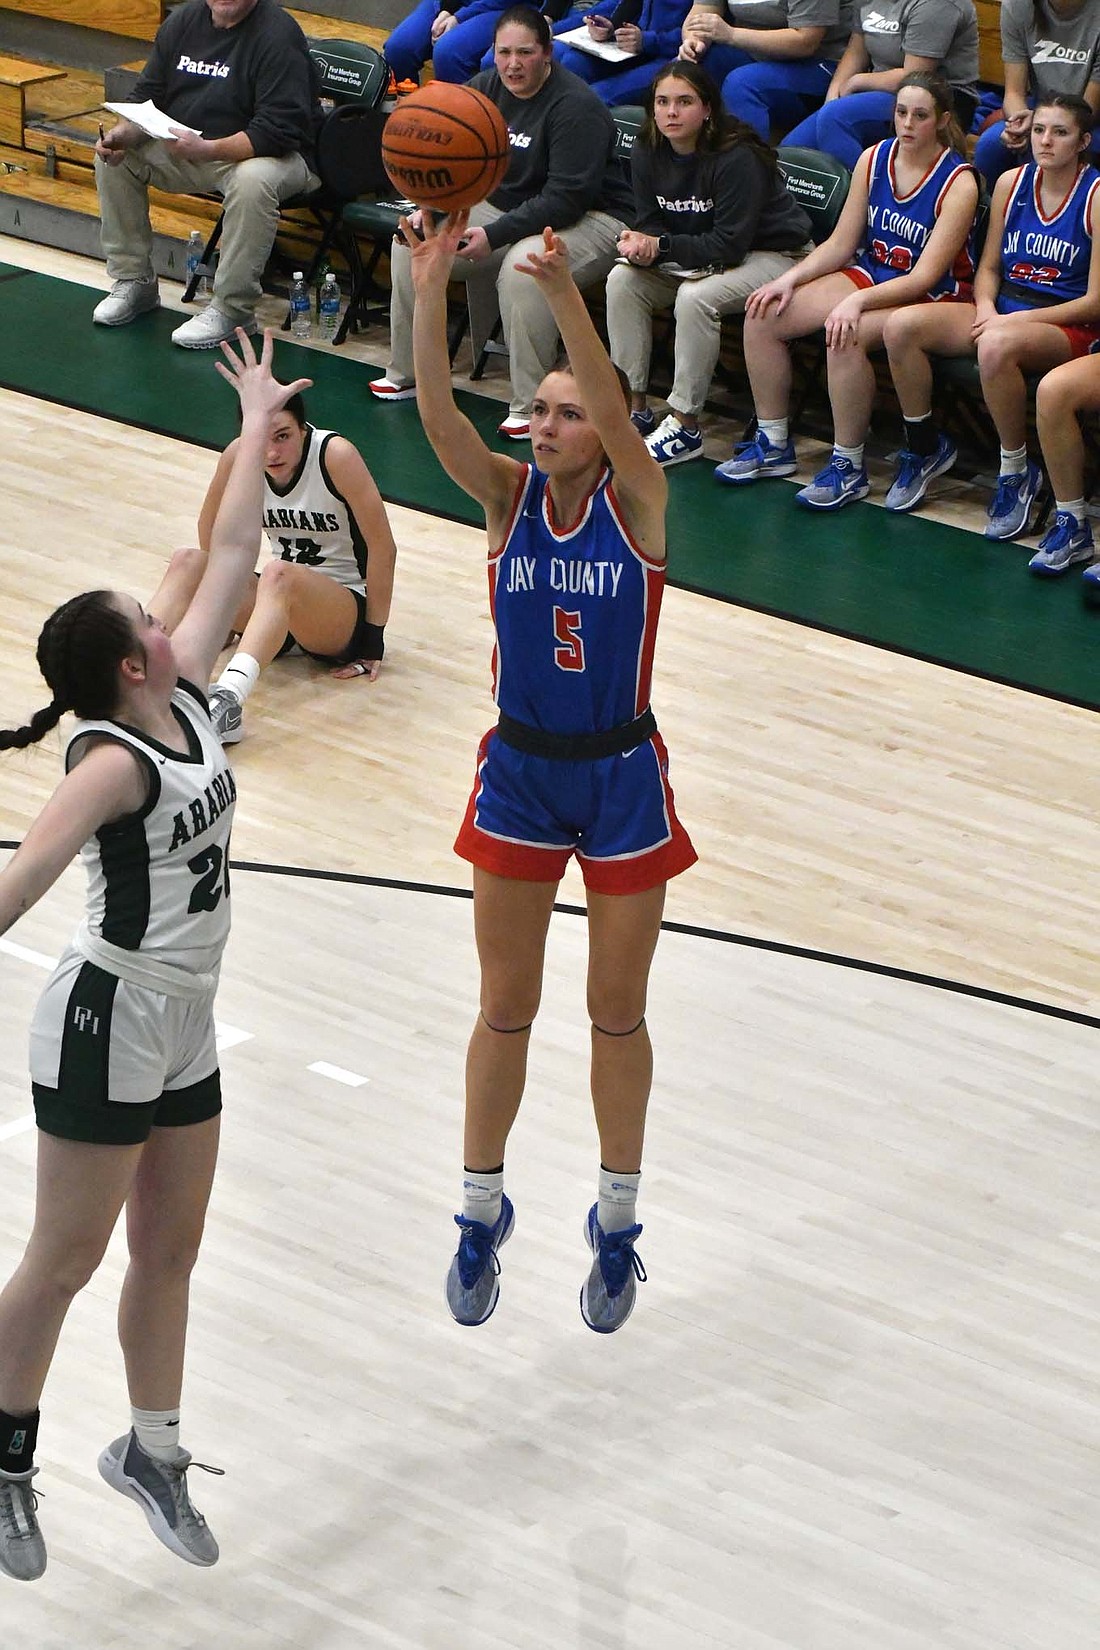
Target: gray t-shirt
[(944, 30), (834, 16), (1064, 53)]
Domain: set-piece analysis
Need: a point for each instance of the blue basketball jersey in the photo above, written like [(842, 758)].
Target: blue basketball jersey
[(575, 609), (899, 226), (1046, 260)]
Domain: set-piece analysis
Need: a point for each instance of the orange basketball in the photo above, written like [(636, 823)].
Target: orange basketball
[(445, 146)]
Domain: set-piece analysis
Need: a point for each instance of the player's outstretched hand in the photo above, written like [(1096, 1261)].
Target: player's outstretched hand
[(369, 668), (550, 267), (259, 391), (434, 248)]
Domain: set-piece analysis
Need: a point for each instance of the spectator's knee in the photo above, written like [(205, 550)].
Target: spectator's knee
[(1056, 397), (252, 186)]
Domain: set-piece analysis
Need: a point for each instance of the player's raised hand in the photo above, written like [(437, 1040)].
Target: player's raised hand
[(434, 248), (259, 391), (550, 267)]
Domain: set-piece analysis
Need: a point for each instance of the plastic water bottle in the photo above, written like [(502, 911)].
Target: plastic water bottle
[(329, 307), (195, 248), (300, 324)]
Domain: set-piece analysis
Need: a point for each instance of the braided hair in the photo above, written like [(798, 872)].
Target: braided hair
[(79, 651)]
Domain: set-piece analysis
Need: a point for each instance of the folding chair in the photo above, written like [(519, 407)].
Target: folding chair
[(352, 81)]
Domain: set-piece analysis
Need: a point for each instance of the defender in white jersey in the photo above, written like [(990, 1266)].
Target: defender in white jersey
[(125, 1077), (329, 582)]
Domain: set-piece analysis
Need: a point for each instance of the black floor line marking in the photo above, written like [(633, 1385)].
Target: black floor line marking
[(720, 936)]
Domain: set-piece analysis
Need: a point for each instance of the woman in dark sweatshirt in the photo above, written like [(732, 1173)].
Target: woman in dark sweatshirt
[(714, 222)]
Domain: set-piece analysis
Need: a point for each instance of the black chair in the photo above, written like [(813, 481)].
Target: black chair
[(352, 80), (819, 183)]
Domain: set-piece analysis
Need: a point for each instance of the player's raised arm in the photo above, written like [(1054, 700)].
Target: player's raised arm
[(236, 532), (488, 477), (640, 483)]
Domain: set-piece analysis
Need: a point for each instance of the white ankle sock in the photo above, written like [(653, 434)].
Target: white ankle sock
[(1013, 463), (1074, 507), (617, 1198), (775, 430), (158, 1432), (854, 455), (240, 675), (482, 1195)]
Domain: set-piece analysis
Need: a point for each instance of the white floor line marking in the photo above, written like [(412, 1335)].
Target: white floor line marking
[(38, 958), (338, 1074), (20, 1126)]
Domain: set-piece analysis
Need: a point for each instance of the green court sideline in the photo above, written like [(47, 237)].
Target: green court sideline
[(905, 583)]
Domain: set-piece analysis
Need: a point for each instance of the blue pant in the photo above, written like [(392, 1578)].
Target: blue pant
[(766, 94), (846, 126), (992, 158), (612, 82), (456, 56)]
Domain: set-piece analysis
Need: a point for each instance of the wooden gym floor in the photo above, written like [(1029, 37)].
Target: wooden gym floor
[(856, 1406)]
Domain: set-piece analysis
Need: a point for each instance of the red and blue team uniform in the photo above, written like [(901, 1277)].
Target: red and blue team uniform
[(899, 226), (1045, 260), (575, 611)]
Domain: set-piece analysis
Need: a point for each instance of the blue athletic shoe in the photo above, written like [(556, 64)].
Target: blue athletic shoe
[(1010, 507), (1068, 541), (757, 459), (915, 472), (645, 422), (607, 1295), (473, 1281), (838, 484)]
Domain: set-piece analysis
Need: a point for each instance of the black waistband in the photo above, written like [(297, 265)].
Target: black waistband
[(1031, 297), (577, 747)]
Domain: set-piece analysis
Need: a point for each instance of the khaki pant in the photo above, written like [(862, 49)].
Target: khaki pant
[(493, 287), (251, 191), (633, 294)]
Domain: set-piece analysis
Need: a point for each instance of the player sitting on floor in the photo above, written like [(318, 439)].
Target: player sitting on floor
[(322, 511)]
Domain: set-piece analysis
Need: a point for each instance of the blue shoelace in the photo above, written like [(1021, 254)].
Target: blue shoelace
[(618, 1257)]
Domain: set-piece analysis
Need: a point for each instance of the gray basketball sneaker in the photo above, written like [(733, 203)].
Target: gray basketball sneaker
[(608, 1292), (226, 713), (160, 1490), (22, 1549)]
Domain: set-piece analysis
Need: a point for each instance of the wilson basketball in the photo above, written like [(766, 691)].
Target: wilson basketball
[(445, 146)]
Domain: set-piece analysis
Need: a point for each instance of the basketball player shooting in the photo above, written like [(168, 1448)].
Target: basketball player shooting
[(574, 766)]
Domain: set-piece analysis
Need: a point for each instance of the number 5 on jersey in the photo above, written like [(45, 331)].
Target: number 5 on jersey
[(569, 654)]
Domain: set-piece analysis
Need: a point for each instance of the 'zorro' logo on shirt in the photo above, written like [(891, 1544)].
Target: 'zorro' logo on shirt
[(1049, 51), (873, 22)]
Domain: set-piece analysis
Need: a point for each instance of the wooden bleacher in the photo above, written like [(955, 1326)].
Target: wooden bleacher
[(50, 117), (137, 19)]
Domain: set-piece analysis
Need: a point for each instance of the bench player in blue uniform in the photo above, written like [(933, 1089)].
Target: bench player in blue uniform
[(127, 1094), (1036, 305), (902, 240), (575, 764)]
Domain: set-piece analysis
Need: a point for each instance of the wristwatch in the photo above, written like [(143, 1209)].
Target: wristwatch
[(664, 244)]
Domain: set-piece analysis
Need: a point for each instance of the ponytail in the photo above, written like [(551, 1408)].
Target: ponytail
[(41, 723), (80, 648)]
